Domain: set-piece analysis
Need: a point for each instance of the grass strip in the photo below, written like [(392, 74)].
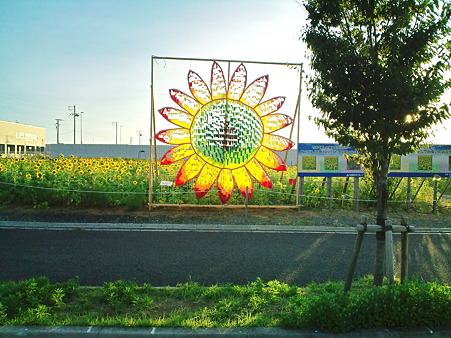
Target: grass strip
[(37, 301)]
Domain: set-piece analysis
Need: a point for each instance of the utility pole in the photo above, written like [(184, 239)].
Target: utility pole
[(115, 124), (81, 128), (120, 135), (57, 124), (74, 114), (139, 135)]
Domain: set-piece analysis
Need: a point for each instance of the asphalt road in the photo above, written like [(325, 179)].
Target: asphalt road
[(169, 257)]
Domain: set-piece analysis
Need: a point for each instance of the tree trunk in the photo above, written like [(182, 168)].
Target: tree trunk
[(382, 199)]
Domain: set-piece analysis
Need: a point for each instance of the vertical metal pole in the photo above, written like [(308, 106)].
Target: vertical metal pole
[(434, 203), (74, 123), (301, 191), (329, 192), (356, 194), (408, 194), (152, 122), (246, 204), (297, 191), (81, 128)]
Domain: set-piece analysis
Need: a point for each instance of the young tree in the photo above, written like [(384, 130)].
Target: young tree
[(379, 70)]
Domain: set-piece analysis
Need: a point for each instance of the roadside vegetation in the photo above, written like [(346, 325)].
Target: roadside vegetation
[(37, 301), (110, 182)]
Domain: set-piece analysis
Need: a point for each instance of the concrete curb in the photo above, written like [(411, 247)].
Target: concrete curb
[(193, 227), (96, 331)]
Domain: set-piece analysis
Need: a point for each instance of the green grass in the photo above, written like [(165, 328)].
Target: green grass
[(273, 304)]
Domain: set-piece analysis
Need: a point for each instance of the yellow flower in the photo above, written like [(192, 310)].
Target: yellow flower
[(81, 172), (39, 174), (119, 177), (28, 176), (317, 190), (135, 183)]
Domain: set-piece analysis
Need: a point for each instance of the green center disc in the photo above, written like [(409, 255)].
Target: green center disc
[(226, 133)]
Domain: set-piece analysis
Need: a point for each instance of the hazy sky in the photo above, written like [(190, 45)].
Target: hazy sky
[(96, 55)]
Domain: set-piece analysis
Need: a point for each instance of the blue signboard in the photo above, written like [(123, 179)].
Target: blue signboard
[(327, 160), (428, 162)]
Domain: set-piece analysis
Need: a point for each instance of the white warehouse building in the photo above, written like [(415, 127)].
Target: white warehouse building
[(21, 139)]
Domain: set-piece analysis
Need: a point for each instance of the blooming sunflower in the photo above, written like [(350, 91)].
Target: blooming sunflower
[(226, 133)]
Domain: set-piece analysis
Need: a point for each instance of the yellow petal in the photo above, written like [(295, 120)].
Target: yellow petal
[(198, 88), (275, 122), (255, 92), (189, 170), (270, 106), (177, 153), (270, 159), (174, 136), (243, 180), (205, 180), (256, 170), (237, 83), (185, 101), (276, 142), (178, 117), (225, 185), (218, 82)]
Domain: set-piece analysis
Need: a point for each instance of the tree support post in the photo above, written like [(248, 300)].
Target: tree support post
[(404, 251), (389, 251), (355, 254), (387, 230)]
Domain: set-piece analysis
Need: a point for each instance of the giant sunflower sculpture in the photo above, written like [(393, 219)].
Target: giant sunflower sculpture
[(226, 133)]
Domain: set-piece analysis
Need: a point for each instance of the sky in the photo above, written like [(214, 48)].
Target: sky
[(96, 55)]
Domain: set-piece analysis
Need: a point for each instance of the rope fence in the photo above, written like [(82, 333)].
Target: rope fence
[(345, 197)]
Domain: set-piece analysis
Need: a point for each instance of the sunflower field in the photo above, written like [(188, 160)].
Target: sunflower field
[(110, 182)]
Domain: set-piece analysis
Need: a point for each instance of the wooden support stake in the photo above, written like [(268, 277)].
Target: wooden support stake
[(444, 190), (418, 190), (389, 271), (396, 188), (345, 190), (355, 255), (404, 251)]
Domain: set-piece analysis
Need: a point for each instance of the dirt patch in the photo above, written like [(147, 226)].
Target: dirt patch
[(224, 215)]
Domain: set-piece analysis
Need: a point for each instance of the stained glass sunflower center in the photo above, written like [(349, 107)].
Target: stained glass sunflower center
[(226, 133)]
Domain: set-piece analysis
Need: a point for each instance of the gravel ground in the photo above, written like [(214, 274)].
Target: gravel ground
[(184, 215)]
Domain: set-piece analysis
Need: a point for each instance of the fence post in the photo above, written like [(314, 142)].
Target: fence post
[(300, 192), (356, 194), (434, 203), (329, 192), (408, 193)]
